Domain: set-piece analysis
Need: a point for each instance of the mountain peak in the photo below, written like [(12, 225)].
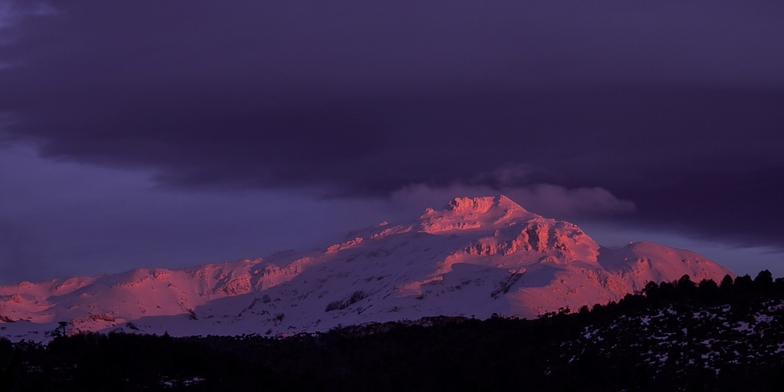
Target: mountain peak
[(481, 205), (463, 213)]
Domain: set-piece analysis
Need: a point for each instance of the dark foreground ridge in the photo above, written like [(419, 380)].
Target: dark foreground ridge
[(673, 336)]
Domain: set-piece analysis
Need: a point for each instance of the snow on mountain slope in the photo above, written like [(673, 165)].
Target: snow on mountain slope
[(473, 258)]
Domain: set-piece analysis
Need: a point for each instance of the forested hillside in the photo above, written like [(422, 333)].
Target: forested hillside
[(672, 336)]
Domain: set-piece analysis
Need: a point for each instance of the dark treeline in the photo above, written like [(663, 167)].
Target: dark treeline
[(553, 352)]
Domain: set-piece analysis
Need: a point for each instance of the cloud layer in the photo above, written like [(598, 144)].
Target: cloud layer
[(578, 106), (59, 219)]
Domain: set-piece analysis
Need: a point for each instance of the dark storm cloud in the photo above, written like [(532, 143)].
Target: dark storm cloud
[(744, 206), (667, 104)]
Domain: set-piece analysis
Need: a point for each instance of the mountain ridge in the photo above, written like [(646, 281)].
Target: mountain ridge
[(473, 258)]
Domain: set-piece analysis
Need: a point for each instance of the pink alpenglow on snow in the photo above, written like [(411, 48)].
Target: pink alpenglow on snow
[(473, 258)]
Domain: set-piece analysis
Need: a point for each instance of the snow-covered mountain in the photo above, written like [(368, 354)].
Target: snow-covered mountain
[(473, 258)]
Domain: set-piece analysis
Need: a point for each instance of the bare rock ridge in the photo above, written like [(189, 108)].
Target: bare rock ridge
[(473, 258)]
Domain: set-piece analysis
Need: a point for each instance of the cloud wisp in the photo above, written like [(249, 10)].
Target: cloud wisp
[(548, 200)]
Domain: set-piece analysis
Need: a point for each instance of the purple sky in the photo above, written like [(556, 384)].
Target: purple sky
[(176, 133)]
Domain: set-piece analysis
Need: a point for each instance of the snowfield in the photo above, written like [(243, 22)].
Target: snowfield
[(473, 258)]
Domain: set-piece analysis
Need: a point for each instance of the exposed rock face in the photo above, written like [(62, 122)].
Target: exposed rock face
[(475, 257)]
